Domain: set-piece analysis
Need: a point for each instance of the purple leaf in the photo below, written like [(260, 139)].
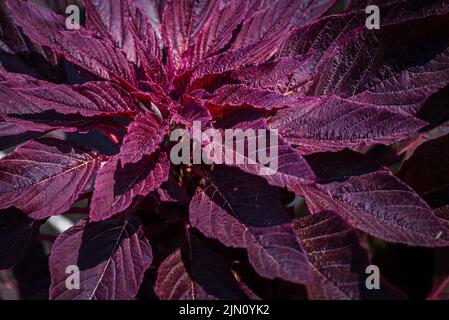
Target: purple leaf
[(238, 95), (427, 172), (191, 109), (51, 120), (117, 185), (217, 31), (312, 10), (80, 47), (17, 236), (145, 135), (285, 169), (127, 26), (396, 77), (196, 272), (392, 72), (109, 18), (275, 19), (233, 60), (327, 33), (339, 166), (148, 49), (45, 177), (334, 124), (243, 211), (112, 257), (337, 261), (153, 12), (25, 95), (279, 75), (380, 204), (18, 54), (12, 135), (182, 21)]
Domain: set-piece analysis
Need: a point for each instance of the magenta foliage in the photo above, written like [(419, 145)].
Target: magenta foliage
[(343, 99)]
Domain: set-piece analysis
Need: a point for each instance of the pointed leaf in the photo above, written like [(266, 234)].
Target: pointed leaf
[(25, 95), (18, 54), (395, 77), (145, 135), (45, 177), (182, 21), (80, 46), (337, 260), (380, 204), (112, 257), (191, 109), (334, 124), (285, 167), (117, 185), (276, 18), (280, 75), (225, 210), (216, 32), (233, 60)]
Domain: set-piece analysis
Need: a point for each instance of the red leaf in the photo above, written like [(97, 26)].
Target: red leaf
[(117, 185), (45, 177), (243, 211), (195, 272), (381, 205), (182, 21), (290, 168), (145, 135), (337, 260), (334, 124), (112, 257), (216, 32), (276, 19), (238, 95), (79, 46), (12, 135), (21, 95)]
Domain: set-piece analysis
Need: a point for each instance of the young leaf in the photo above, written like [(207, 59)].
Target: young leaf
[(109, 18), (145, 135), (182, 21), (276, 18), (217, 31)]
